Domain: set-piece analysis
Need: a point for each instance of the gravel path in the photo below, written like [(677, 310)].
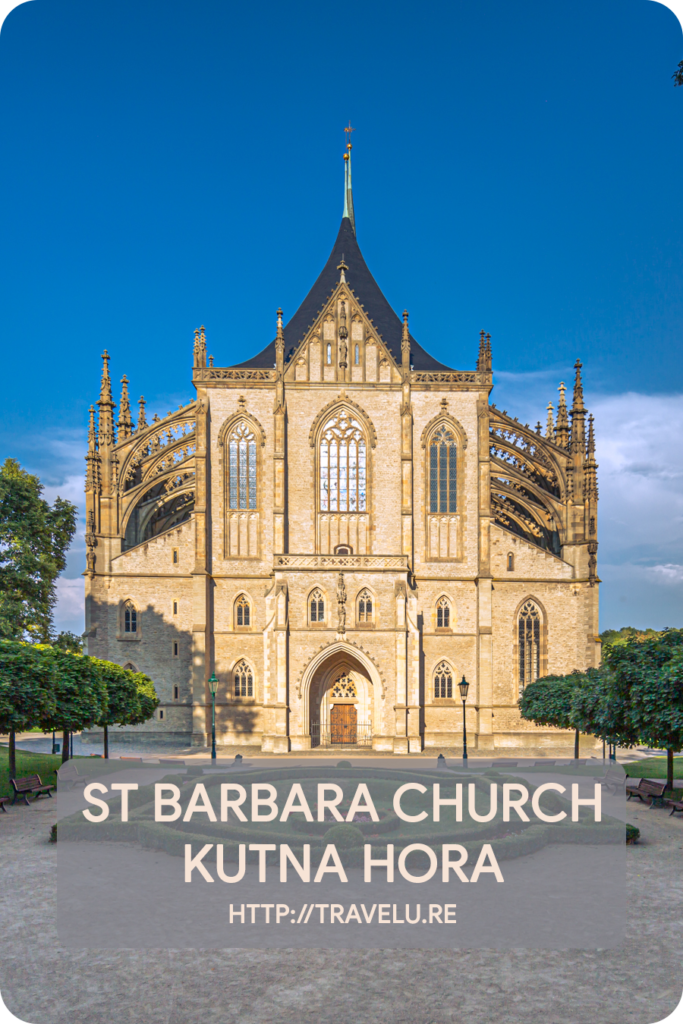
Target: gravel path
[(638, 983)]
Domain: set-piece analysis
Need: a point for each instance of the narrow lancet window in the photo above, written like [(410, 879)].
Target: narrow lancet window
[(443, 681), (130, 618), (443, 614), (529, 628), (443, 455), (244, 680), (365, 607), (243, 611), (242, 468), (317, 606)]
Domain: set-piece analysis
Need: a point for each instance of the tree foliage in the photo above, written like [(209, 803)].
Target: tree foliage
[(678, 75), (34, 539), (548, 701), (80, 692), (131, 696), (26, 691)]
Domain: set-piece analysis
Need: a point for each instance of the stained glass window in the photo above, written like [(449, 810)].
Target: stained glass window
[(443, 614), (356, 356), (443, 454), (244, 680), (242, 468), (329, 354), (343, 466), (443, 681), (529, 644)]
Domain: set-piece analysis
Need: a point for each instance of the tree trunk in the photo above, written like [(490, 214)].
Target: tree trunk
[(12, 754), (65, 746), (669, 768), (576, 744), (106, 741)]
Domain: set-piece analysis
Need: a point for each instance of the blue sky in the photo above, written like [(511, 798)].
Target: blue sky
[(516, 167)]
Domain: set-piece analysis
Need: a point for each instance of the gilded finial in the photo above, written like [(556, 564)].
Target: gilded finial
[(348, 191)]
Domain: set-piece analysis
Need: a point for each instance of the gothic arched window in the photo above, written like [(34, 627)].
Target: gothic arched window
[(342, 465), (244, 680), (356, 356), (511, 562), (365, 610), (529, 634), (316, 604), (443, 681), (443, 454), (130, 618), (242, 468), (329, 355), (443, 614), (242, 612)]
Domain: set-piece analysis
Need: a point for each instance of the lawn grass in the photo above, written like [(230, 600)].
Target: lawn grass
[(30, 763), (653, 768)]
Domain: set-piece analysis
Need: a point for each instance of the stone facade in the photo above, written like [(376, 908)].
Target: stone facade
[(341, 529)]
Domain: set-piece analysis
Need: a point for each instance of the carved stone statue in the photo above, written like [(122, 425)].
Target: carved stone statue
[(341, 604)]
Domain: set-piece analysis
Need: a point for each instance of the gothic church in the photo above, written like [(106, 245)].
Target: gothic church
[(338, 530)]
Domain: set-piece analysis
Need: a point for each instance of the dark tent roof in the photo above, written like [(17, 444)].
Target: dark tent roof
[(367, 292)]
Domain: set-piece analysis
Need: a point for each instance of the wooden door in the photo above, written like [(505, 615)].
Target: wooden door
[(343, 722)]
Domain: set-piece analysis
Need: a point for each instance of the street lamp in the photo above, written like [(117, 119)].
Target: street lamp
[(213, 683), (464, 687)]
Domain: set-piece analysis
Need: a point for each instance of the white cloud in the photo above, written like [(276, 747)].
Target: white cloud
[(669, 573), (70, 610)]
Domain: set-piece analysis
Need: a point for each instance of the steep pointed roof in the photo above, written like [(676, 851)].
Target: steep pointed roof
[(367, 292)]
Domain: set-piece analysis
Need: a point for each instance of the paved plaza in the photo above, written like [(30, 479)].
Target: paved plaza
[(638, 983)]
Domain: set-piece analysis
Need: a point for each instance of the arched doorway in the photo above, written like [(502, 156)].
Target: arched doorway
[(341, 704)]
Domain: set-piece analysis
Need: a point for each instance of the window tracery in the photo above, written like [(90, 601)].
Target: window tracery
[(317, 606), (443, 454), (443, 681), (343, 465), (344, 686), (365, 609), (242, 612), (130, 618), (443, 614), (242, 468), (529, 636), (244, 680)]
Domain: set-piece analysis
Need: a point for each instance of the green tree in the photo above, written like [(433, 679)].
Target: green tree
[(80, 693), (34, 539), (644, 681), (678, 75), (26, 692), (550, 701), (131, 697)]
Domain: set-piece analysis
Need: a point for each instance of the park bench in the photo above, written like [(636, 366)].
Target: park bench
[(69, 774), (4, 800), (612, 780), (647, 788), (30, 784), (676, 805)]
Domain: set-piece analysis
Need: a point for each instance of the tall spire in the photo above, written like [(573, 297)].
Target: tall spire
[(125, 423), (591, 464), (142, 422), (405, 346), (562, 423), (550, 425), (578, 412), (106, 405), (348, 191)]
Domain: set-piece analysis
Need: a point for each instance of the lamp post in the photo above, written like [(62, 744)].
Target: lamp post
[(213, 683), (464, 687)]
